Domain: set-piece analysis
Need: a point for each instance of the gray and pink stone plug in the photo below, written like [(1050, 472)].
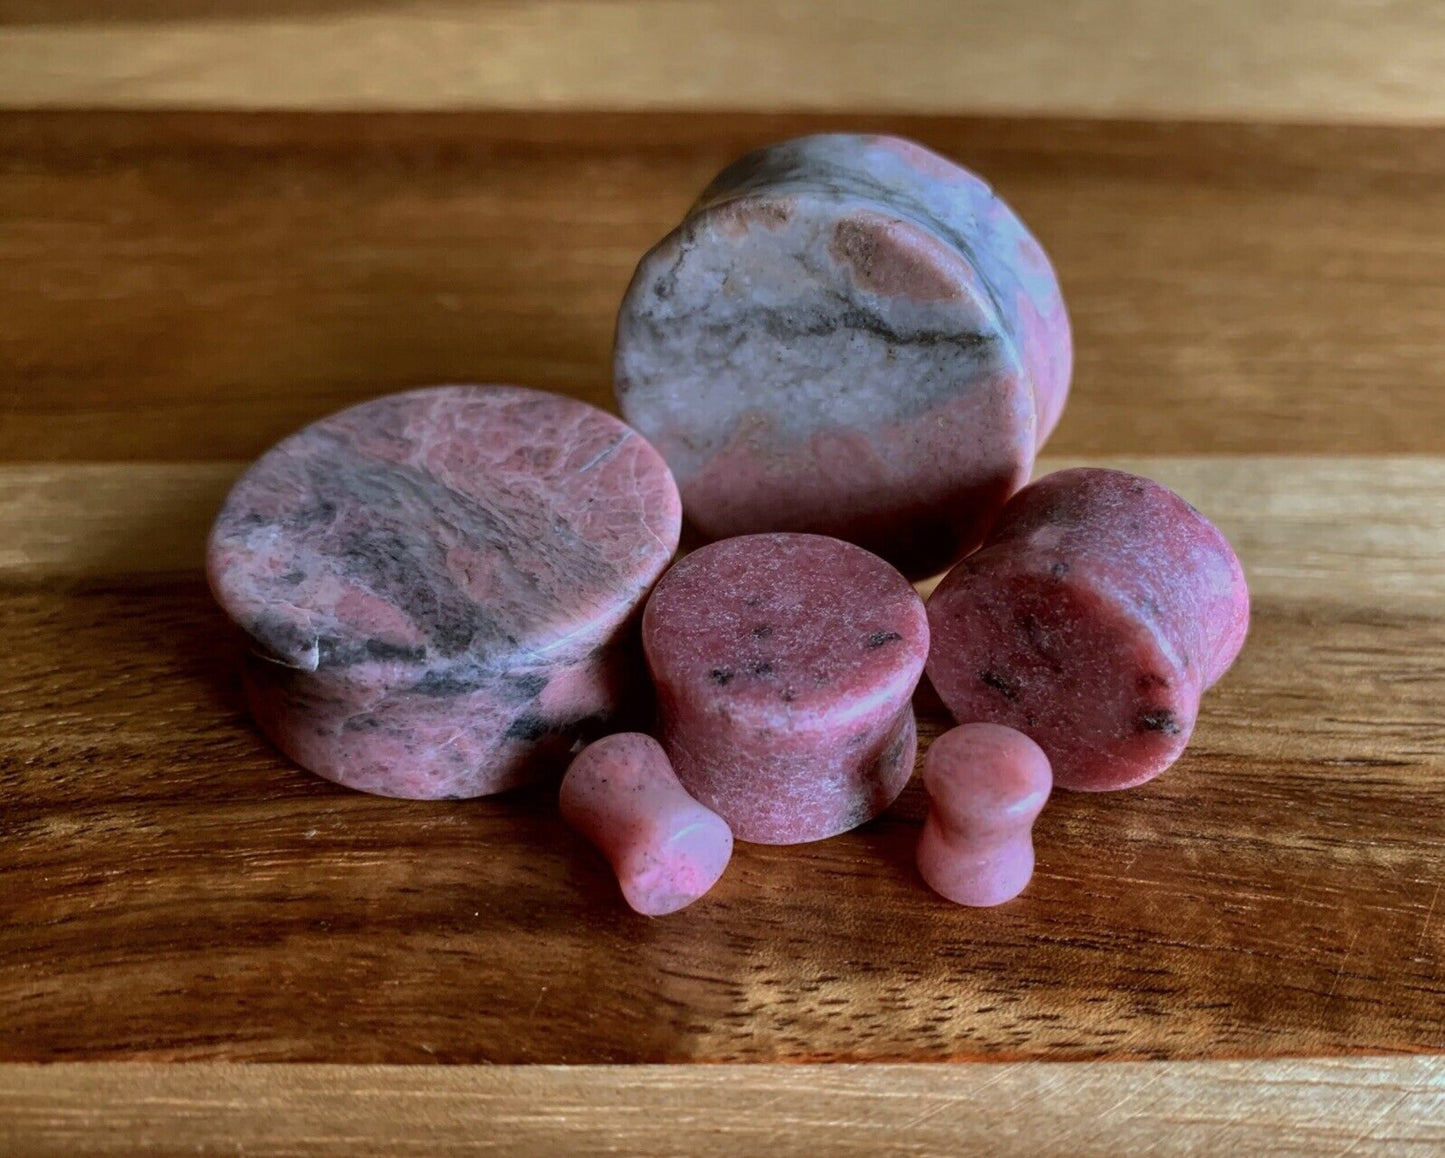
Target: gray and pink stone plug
[(849, 336), (847, 358)]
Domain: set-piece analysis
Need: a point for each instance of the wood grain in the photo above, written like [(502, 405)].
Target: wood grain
[(1257, 312), (1300, 523), (1358, 60), (68, 521), (174, 890), (191, 287), (1287, 1108)]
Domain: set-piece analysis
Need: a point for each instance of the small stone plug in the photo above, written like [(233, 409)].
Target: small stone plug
[(666, 849), (986, 785)]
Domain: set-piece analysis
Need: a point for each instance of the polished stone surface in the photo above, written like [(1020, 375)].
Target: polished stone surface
[(667, 850), (784, 666), (1093, 619), (848, 335), (440, 586), (986, 786)]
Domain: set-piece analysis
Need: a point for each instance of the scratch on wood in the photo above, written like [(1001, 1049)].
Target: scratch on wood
[(1425, 928)]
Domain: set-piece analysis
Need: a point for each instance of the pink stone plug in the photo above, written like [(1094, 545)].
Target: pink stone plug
[(848, 335), (441, 587), (1097, 612), (784, 667), (666, 849), (986, 784)]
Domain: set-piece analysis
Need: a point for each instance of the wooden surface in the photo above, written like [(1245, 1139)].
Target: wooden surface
[(175, 890), (1310, 60), (1293, 1109), (1258, 312), (192, 286)]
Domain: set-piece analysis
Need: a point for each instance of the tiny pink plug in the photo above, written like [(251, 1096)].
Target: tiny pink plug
[(666, 849), (986, 785)]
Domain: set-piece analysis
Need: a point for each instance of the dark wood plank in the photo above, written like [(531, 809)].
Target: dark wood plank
[(181, 286), (171, 889)]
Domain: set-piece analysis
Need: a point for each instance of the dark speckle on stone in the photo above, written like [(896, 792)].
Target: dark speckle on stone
[(442, 685), (1035, 631), (1159, 720), (1151, 605), (528, 727), (893, 755), (763, 630), (761, 667), (722, 676), (753, 600), (588, 728), (1007, 688), (864, 810), (380, 649), (294, 576), (1059, 569), (527, 686), (789, 695), (879, 638)]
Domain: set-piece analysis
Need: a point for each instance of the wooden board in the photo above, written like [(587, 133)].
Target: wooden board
[(176, 890), (193, 286), (1292, 1109), (1352, 60), (1257, 312)]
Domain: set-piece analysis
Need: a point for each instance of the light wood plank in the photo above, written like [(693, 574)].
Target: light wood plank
[(67, 521), (1355, 530), (1304, 1108), (190, 287), (1355, 60)]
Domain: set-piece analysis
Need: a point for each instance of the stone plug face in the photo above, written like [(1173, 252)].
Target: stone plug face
[(1096, 614), (784, 666), (850, 336), (666, 849), (986, 786), (438, 585)]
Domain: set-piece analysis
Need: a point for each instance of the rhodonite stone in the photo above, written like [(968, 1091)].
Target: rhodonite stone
[(438, 585), (784, 666), (986, 786), (851, 336), (1093, 619), (667, 850)]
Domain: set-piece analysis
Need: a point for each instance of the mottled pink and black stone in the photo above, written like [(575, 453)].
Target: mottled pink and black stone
[(1093, 619), (851, 336), (784, 667), (439, 585)]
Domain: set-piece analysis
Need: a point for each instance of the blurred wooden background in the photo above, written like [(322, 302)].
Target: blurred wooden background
[(1296, 60), (220, 219)]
